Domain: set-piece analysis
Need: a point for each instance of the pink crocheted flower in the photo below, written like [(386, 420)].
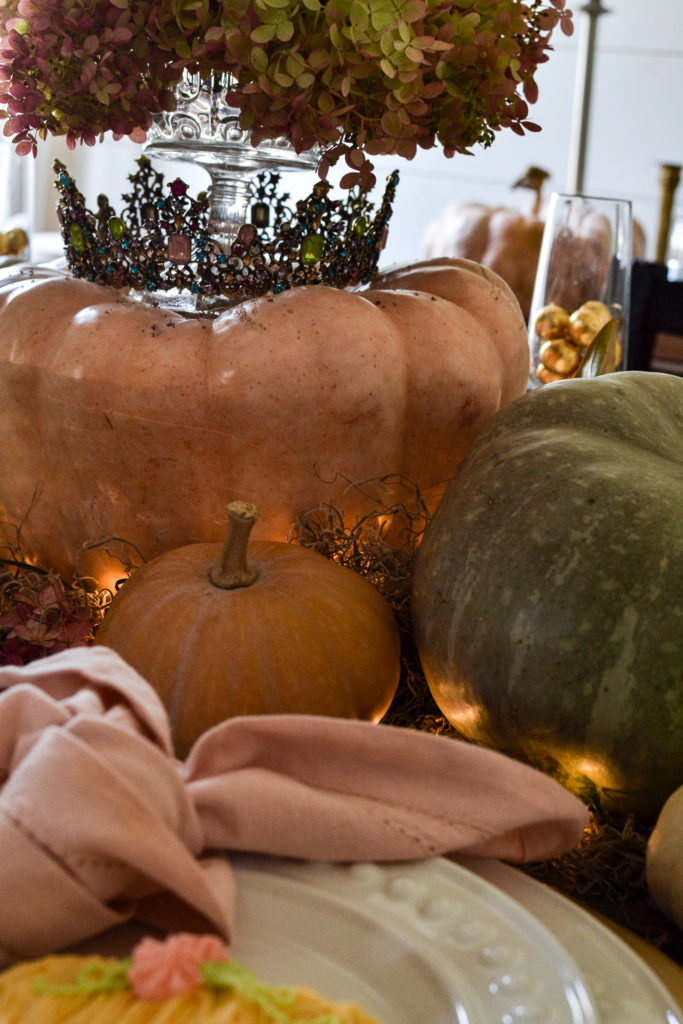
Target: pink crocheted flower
[(162, 969)]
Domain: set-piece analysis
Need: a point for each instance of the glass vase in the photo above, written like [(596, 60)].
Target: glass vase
[(582, 284)]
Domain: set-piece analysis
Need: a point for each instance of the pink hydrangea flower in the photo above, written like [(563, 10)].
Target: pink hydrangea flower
[(162, 969)]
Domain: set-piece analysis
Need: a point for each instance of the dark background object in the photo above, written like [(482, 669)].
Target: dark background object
[(655, 335)]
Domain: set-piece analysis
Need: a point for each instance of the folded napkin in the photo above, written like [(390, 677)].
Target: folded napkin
[(100, 823)]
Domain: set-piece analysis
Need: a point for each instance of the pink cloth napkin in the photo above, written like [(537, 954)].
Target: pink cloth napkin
[(100, 823)]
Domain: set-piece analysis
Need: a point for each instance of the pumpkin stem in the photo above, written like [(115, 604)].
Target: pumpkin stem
[(533, 179), (231, 570)]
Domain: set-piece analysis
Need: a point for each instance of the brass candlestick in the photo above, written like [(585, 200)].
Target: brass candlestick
[(669, 176)]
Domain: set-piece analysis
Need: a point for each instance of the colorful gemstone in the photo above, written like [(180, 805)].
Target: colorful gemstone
[(247, 234), (312, 249), (116, 227), (178, 188), (77, 237), (179, 248), (360, 225), (260, 215)]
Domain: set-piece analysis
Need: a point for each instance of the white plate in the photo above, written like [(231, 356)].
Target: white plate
[(622, 986), (419, 942), (434, 942)]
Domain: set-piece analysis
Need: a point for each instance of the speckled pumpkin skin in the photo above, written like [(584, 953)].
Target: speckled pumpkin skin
[(117, 417), (548, 591)]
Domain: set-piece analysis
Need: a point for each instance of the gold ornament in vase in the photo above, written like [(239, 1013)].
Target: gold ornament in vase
[(552, 322), (586, 321), (560, 356)]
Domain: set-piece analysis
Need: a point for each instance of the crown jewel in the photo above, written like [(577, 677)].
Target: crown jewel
[(161, 241)]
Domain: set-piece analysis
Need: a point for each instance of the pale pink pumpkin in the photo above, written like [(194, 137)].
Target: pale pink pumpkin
[(118, 417)]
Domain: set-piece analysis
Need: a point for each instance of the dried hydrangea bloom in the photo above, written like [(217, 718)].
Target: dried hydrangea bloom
[(358, 77), (80, 69)]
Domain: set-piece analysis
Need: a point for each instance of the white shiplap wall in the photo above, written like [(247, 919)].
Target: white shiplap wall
[(636, 125)]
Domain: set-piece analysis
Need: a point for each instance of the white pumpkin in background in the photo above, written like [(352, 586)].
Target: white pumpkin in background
[(664, 858)]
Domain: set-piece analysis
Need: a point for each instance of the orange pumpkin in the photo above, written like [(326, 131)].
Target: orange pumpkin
[(508, 241), (115, 414), (275, 629)]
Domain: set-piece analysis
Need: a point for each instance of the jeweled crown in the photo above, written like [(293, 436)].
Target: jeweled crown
[(160, 242)]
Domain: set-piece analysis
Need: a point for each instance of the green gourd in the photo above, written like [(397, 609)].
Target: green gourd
[(548, 590)]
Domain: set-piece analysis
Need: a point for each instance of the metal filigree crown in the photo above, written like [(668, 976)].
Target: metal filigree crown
[(161, 241)]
